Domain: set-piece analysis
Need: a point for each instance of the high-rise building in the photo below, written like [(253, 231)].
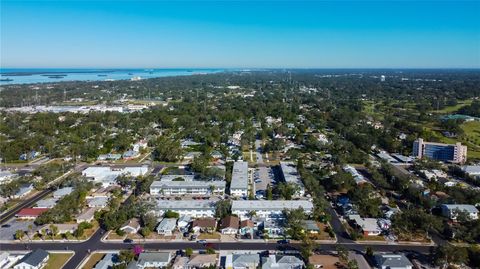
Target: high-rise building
[(455, 153)]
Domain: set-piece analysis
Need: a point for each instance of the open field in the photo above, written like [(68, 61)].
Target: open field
[(450, 109), (92, 260), (57, 260)]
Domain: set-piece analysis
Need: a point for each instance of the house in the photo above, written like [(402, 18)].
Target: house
[(23, 191), (180, 262), (107, 175), (274, 228), (110, 157), (198, 187), (392, 261), (204, 225), (62, 192), (106, 262), (154, 259), (323, 261), (132, 226), (46, 203), (202, 261), (268, 208), (229, 225), (30, 213), (359, 179), (451, 211), (33, 260), (183, 223), (282, 262), (246, 227), (368, 226), (167, 226), (98, 202), (130, 154), (191, 208), (6, 176), (472, 170), (61, 228), (86, 216), (239, 183), (245, 261), (291, 176), (310, 226)]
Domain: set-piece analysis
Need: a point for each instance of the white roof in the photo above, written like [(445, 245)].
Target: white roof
[(290, 173), (471, 169), (461, 207), (98, 201), (63, 191), (187, 184), (271, 205), (239, 176), (367, 224), (184, 204), (167, 224), (172, 177)]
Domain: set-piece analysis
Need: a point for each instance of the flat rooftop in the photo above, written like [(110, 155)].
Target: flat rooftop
[(239, 176), (274, 205)]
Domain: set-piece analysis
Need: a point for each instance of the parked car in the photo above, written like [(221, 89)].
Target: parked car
[(128, 241), (202, 241), (283, 241)]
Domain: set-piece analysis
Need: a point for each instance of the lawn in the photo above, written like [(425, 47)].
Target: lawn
[(57, 260), (450, 109), (471, 138), (209, 236), (93, 259)]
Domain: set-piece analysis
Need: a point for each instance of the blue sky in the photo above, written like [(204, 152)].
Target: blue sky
[(325, 34)]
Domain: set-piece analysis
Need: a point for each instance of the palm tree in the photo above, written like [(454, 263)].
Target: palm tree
[(19, 234)]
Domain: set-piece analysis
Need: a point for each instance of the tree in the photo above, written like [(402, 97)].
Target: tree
[(188, 252), (222, 209), (126, 256), (149, 220), (342, 254), (209, 250), (171, 214), (269, 193), (145, 231), (307, 248), (449, 255), (19, 234), (294, 223), (53, 230)]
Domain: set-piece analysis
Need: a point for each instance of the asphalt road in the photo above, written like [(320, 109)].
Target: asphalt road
[(94, 243)]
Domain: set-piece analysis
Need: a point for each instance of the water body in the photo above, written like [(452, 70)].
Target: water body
[(10, 76)]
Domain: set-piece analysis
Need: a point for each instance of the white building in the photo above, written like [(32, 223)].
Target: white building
[(154, 259), (368, 226), (191, 208), (187, 187), (33, 260), (472, 170), (268, 208), (451, 211), (107, 175), (239, 184), (290, 175), (167, 226), (6, 176)]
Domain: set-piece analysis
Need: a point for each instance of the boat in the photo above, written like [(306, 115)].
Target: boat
[(6, 79)]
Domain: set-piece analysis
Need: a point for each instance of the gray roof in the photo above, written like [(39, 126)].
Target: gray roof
[(290, 173), (245, 260), (271, 205), (62, 192), (34, 258), (46, 203), (392, 260), (281, 262), (172, 177), (471, 169), (167, 224), (239, 176), (184, 204), (461, 207), (310, 225), (105, 263)]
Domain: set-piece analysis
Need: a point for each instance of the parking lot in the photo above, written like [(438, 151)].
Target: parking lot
[(7, 231), (262, 177)]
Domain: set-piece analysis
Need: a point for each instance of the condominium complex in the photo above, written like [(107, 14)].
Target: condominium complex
[(190, 208), (268, 208), (187, 187), (455, 153), (239, 184), (290, 175)]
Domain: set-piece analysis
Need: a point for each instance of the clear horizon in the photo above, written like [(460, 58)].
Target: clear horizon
[(240, 35)]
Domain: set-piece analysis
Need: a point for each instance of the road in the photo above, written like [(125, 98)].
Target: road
[(95, 244)]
